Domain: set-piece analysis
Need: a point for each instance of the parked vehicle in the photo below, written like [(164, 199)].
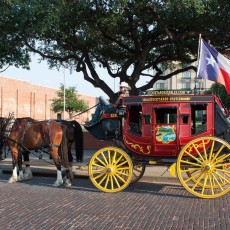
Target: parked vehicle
[(190, 133)]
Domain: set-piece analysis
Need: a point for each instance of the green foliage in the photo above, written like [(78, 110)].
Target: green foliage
[(72, 102), (130, 39), (220, 91)]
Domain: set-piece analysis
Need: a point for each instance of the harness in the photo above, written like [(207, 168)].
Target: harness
[(48, 131), (28, 123)]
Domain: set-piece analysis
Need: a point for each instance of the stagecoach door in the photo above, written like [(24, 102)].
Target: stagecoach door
[(165, 130)]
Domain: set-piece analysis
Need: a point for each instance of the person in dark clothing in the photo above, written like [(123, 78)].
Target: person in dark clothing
[(105, 106)]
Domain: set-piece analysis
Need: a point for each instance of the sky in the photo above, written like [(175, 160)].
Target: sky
[(40, 74)]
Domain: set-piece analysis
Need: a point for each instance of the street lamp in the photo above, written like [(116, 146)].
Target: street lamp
[(64, 94)]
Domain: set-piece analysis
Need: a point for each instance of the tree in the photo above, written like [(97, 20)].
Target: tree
[(130, 39), (220, 90), (72, 101)]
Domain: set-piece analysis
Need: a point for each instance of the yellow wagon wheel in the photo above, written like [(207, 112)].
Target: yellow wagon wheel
[(203, 167), (138, 172), (214, 185), (110, 169)]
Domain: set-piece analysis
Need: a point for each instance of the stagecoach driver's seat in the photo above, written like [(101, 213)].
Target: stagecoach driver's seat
[(105, 106)]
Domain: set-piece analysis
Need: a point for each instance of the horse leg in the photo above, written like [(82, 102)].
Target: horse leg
[(28, 173), (69, 151), (69, 177), (1, 155), (69, 172), (78, 140), (65, 152), (1, 149), (21, 174), (54, 154), (14, 176)]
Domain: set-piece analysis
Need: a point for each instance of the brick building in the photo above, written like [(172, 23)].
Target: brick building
[(29, 100)]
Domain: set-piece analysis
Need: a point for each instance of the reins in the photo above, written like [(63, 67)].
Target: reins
[(75, 115), (13, 140)]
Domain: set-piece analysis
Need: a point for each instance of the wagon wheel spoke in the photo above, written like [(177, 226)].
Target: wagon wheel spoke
[(227, 173), (110, 169), (103, 178), (203, 167), (116, 181)]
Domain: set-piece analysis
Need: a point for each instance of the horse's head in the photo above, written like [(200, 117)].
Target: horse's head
[(7, 125)]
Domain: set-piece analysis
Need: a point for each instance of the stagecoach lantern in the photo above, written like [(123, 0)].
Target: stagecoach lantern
[(121, 111)]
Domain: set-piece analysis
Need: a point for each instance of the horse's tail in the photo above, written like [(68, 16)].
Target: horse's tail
[(65, 157), (64, 147), (78, 139)]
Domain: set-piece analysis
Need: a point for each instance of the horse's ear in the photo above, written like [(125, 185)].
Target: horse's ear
[(11, 115)]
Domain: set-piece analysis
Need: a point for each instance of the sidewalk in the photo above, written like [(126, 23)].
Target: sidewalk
[(45, 167)]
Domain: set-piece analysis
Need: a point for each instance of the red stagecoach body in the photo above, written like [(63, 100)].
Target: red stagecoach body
[(189, 132), (160, 125)]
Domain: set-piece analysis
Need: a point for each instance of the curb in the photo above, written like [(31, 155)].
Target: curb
[(50, 171), (46, 168), (47, 173)]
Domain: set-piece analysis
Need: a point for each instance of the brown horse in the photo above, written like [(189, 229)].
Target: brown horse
[(25, 134)]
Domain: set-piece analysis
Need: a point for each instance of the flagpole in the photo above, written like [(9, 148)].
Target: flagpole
[(197, 62), (198, 52)]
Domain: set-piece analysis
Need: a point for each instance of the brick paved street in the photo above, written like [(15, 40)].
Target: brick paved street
[(36, 204)]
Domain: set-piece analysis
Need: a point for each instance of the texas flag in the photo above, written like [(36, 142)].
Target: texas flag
[(213, 66)]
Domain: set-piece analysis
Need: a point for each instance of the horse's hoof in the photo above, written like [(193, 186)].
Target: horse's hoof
[(64, 179), (68, 183), (20, 178), (12, 180), (58, 183), (28, 176)]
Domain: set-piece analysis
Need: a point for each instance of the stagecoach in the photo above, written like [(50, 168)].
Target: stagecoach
[(187, 132)]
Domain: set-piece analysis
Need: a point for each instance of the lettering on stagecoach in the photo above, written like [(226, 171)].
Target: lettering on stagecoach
[(167, 99), (199, 146), (169, 92), (110, 115), (113, 115)]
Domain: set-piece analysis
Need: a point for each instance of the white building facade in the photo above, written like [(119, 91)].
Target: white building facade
[(183, 81)]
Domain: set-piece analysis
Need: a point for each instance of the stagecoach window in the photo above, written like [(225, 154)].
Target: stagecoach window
[(59, 116), (166, 115), (198, 118), (135, 119)]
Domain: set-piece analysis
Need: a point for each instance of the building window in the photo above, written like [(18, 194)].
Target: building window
[(160, 86), (186, 85), (59, 116), (199, 85), (186, 74)]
